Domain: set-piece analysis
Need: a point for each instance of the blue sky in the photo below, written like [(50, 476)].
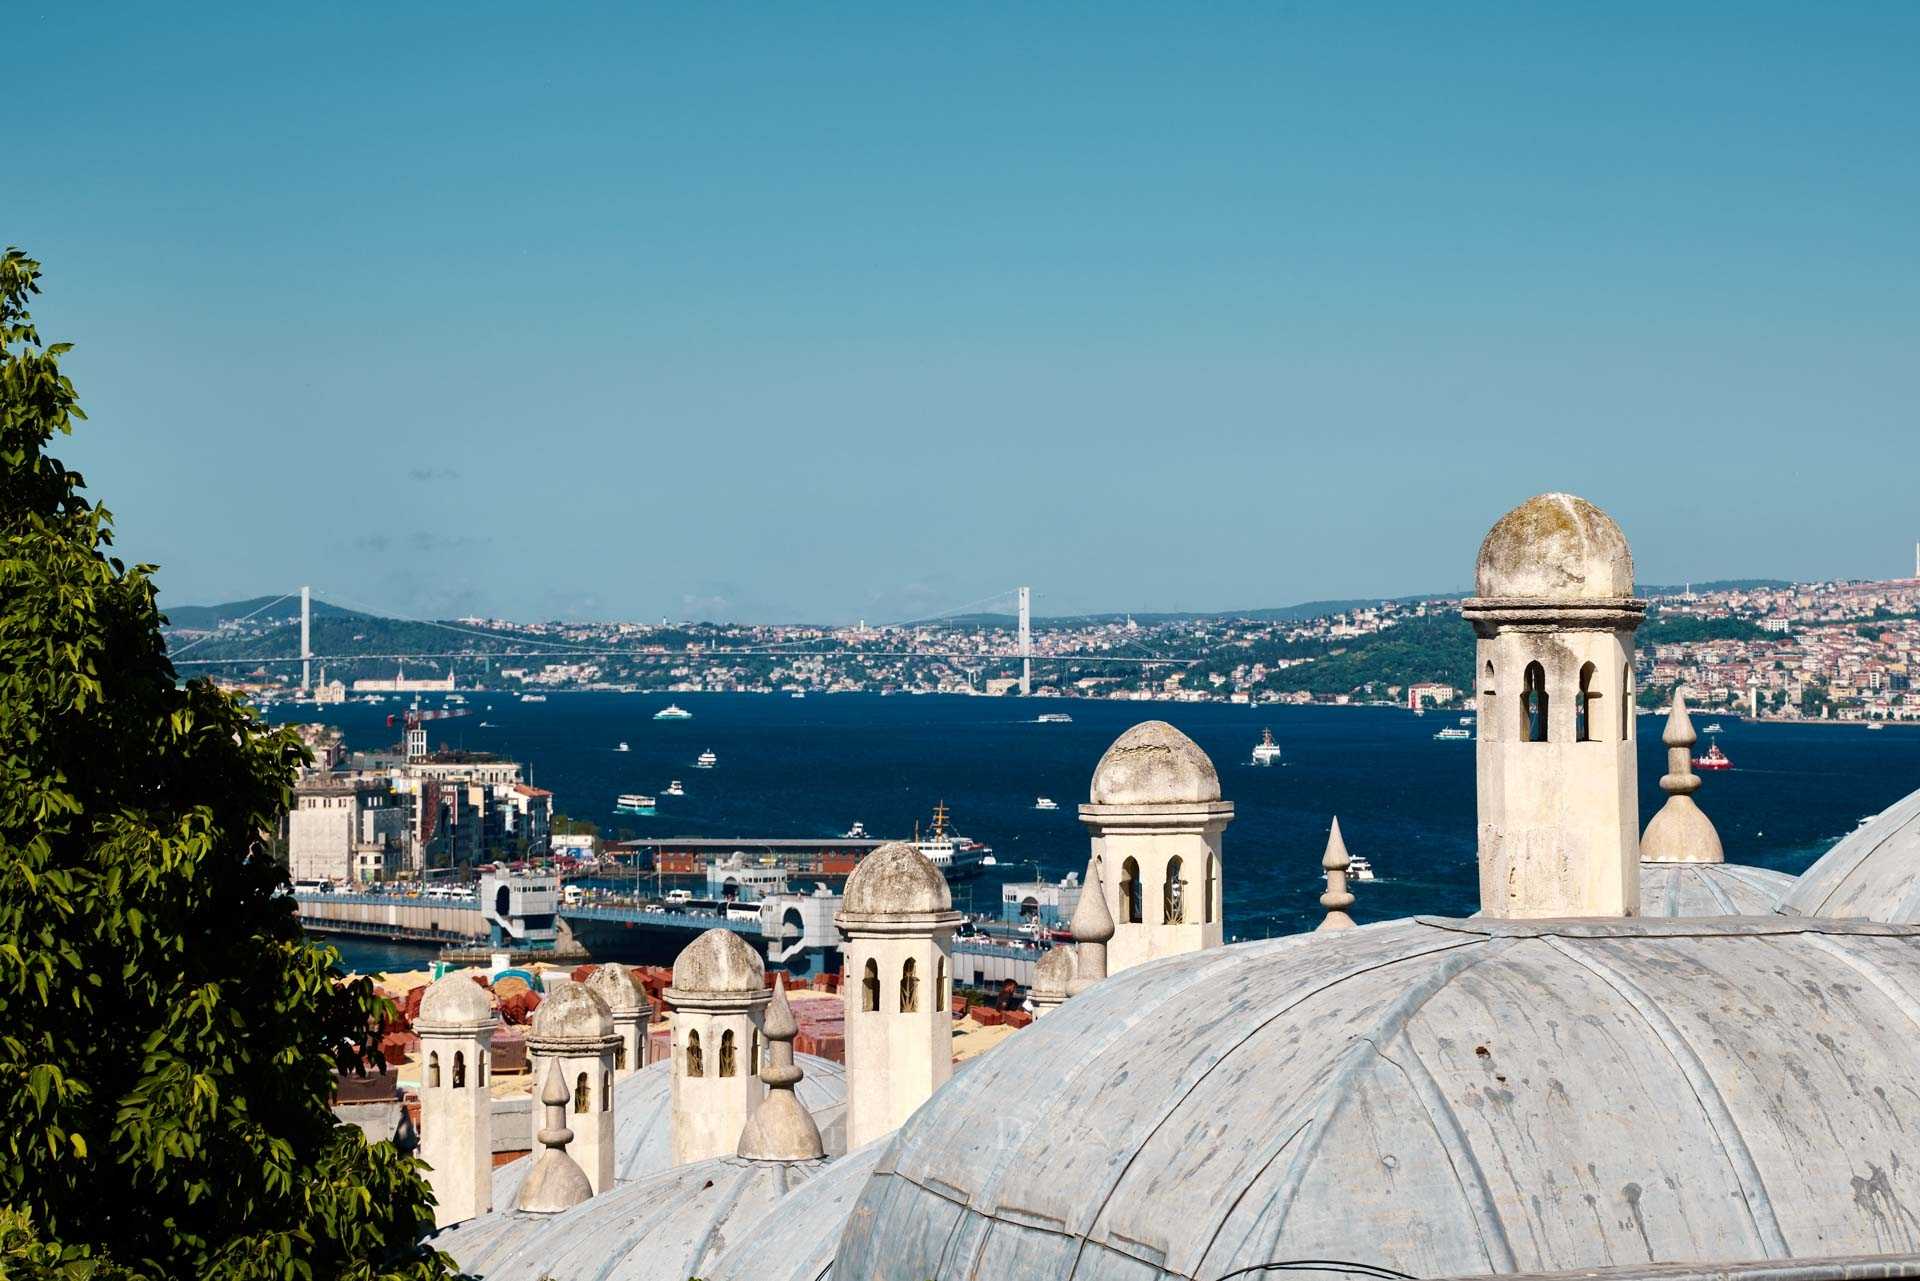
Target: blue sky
[(825, 312)]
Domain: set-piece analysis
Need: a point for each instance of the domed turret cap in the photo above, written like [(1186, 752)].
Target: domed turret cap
[(1154, 764), (614, 985), (720, 962), (1053, 971), (1555, 546), (896, 880), (573, 1013), (455, 1001)]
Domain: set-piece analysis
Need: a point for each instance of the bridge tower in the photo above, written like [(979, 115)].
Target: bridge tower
[(306, 638), (1026, 641)]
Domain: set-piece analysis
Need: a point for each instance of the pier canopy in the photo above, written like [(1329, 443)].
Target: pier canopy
[(1438, 1097), (1873, 873)]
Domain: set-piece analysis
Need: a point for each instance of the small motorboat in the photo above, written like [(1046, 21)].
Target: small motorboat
[(1045, 803)]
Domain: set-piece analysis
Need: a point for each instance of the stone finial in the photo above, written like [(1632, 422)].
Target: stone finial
[(1681, 832), (1338, 897), (1092, 928), (781, 1129), (556, 1183)]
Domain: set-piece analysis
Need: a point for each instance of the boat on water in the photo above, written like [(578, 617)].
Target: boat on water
[(1715, 759), (954, 855), (634, 803), (674, 789), (1713, 729), (1454, 733), (1266, 751), (673, 712), (1359, 869), (459, 700), (1467, 721), (1045, 803), (488, 725), (533, 698), (798, 693), (1053, 718), (858, 832), (706, 760), (623, 746), (1875, 725)]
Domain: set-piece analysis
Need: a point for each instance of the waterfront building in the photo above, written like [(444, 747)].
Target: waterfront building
[(401, 683), (719, 999), (341, 830), (1156, 820), (898, 918), (1049, 903)]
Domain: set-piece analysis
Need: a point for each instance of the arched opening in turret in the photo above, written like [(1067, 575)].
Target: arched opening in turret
[(480, 1069), (606, 1090), (1489, 692), (1173, 907), (1586, 716), (433, 1070), (459, 1070), (756, 1052), (620, 1056), (582, 1094), (1130, 892), (870, 987), (696, 1063), (1626, 704), (909, 986), (940, 984), (1206, 904), (1533, 705), (727, 1065)]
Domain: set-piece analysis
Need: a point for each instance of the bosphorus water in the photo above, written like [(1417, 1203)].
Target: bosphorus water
[(812, 767)]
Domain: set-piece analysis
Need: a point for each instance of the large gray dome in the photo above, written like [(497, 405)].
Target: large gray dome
[(661, 1228), (643, 1122), (1710, 889), (1442, 1097), (796, 1242), (1872, 873)]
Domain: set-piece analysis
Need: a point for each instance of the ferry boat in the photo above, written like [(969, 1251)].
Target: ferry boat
[(634, 803), (956, 856), (1045, 803), (1713, 729), (1714, 759), (1266, 751), (674, 789), (706, 760), (1053, 718), (673, 712), (533, 698), (623, 746), (799, 693), (1453, 733)]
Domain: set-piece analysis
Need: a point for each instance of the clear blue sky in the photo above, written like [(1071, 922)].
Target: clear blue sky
[(807, 311)]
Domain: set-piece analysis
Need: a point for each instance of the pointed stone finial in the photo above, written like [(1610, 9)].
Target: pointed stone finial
[(556, 1182), (1681, 832), (1338, 897), (781, 1129), (1092, 927)]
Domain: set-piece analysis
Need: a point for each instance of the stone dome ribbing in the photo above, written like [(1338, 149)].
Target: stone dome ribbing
[(1154, 764), (1873, 873), (719, 961), (1555, 546)]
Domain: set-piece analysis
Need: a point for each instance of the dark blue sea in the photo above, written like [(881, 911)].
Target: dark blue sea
[(813, 766)]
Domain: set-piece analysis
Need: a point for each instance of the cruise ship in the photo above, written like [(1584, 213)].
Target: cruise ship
[(1266, 751), (673, 712), (634, 803)]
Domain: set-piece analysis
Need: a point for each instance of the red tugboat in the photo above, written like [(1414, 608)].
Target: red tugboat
[(1714, 759)]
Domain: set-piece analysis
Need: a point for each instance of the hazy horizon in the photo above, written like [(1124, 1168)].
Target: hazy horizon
[(641, 312)]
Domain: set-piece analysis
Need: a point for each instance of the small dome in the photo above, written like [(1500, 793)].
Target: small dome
[(1154, 764), (1872, 873), (1709, 889), (896, 879), (573, 1012), (1555, 546), (614, 984), (456, 1000), (1053, 971), (719, 961)]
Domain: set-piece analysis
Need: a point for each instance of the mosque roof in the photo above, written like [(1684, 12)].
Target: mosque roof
[(796, 1243), (643, 1122), (896, 879), (1872, 873), (1710, 889), (1154, 764), (1441, 1097), (664, 1227), (1555, 546)]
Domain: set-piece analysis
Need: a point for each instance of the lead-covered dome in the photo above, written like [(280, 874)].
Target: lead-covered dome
[(719, 961), (455, 1001), (896, 880), (1445, 1098), (1710, 889), (796, 1242), (1555, 546), (1154, 764), (1872, 873)]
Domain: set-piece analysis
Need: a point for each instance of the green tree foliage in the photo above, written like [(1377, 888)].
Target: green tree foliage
[(168, 1037)]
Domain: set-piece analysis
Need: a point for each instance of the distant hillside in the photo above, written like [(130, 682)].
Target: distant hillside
[(1717, 585), (200, 618)]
